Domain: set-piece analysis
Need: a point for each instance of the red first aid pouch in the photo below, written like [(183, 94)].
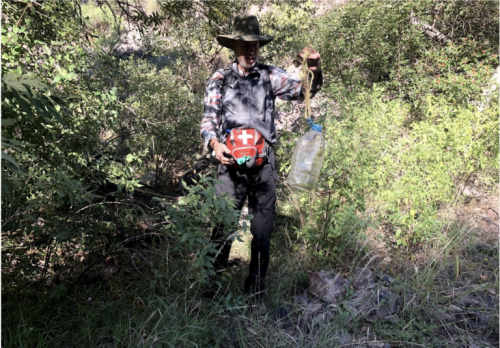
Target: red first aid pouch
[(247, 146)]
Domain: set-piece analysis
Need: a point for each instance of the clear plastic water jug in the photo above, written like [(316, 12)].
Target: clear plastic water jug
[(307, 160)]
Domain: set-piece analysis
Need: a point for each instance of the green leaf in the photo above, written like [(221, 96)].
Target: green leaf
[(10, 159), (25, 105), (10, 77), (16, 86), (398, 232), (40, 108), (55, 114), (33, 83), (10, 143), (8, 121), (185, 237)]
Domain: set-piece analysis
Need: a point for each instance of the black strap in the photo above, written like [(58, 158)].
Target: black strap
[(229, 81), (264, 71), (268, 86)]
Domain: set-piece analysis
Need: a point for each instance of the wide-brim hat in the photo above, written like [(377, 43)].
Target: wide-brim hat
[(245, 28)]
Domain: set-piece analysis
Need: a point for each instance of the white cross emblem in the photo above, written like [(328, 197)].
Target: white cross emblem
[(245, 136)]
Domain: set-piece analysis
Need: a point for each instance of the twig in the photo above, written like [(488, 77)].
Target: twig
[(364, 342), (143, 119), (215, 55), (288, 236), (133, 263), (12, 217), (42, 14), (50, 248), (139, 237), (144, 259), (296, 205), (102, 203), (151, 252), (90, 266), (428, 30), (493, 210), (488, 220), (78, 15), (370, 261), (113, 13), (166, 259), (187, 56), (414, 296), (447, 244), (22, 14)]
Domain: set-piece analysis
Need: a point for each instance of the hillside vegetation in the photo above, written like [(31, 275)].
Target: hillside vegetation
[(108, 195)]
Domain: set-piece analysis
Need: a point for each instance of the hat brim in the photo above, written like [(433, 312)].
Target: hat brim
[(226, 40)]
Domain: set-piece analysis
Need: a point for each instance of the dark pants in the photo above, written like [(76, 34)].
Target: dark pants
[(259, 185)]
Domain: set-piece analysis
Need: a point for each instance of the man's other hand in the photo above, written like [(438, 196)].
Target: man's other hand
[(219, 150), (313, 59)]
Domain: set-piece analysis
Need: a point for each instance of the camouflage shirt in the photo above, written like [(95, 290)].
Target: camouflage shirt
[(285, 87)]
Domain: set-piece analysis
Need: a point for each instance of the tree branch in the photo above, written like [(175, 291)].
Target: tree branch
[(429, 30)]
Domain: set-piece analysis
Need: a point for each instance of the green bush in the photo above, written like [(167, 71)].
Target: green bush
[(99, 18), (55, 158), (55, 120), (159, 116), (416, 121), (192, 219), (376, 42), (409, 173), (289, 23)]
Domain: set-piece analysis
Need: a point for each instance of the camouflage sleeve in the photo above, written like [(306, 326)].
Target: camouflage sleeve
[(287, 87), (212, 108)]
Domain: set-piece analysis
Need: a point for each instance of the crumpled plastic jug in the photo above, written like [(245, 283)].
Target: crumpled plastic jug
[(307, 160)]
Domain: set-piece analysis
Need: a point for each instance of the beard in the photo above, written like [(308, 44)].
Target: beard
[(243, 63)]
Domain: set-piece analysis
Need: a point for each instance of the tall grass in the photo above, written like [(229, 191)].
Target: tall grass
[(143, 314)]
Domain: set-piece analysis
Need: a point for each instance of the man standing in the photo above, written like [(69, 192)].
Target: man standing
[(239, 104)]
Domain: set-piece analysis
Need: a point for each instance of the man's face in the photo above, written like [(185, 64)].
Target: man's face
[(247, 53)]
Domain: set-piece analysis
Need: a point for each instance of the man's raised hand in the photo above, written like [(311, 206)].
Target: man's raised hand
[(313, 59)]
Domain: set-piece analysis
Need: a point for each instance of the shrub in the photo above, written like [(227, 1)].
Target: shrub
[(410, 173), (190, 221), (376, 42), (160, 116)]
